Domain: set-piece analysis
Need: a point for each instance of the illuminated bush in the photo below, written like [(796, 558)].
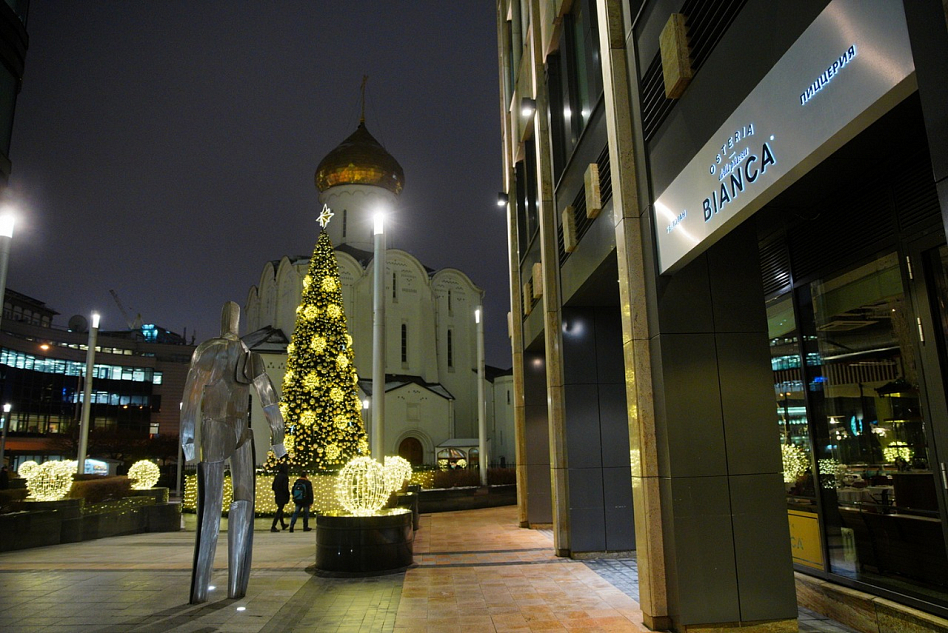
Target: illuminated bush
[(144, 475), (794, 462), (26, 468), (397, 473), (361, 486), (50, 481), (461, 463), (898, 450)]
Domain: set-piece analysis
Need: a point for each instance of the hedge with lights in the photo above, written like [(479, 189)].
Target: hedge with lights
[(320, 401)]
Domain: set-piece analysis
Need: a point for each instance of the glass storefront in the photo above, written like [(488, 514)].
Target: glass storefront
[(850, 409)]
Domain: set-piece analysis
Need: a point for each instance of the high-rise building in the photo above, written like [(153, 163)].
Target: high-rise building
[(728, 257)]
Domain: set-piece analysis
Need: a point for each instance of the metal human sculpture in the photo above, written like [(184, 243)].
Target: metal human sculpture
[(217, 392)]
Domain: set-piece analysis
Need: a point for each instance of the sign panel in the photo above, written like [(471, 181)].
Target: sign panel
[(806, 546), (850, 66)]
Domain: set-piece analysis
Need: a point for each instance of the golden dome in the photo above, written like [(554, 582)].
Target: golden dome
[(360, 160)]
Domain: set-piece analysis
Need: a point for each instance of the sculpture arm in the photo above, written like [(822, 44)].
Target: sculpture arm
[(257, 373), (198, 377)]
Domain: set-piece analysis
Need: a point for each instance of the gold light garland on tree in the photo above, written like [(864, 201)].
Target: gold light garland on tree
[(320, 398)]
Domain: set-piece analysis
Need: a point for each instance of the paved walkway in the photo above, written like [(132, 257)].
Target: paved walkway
[(475, 572)]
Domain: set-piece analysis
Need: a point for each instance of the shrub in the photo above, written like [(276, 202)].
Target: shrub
[(10, 499), (501, 476), (100, 489), (456, 477)]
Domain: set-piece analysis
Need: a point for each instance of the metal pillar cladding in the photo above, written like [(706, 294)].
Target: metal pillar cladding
[(87, 396), (481, 410), (378, 344)]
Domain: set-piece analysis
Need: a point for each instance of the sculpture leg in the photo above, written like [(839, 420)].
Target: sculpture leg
[(210, 502), (240, 522)]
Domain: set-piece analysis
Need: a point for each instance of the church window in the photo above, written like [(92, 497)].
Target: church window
[(508, 397), (394, 286), (450, 349), (449, 303), (345, 219), (404, 343)]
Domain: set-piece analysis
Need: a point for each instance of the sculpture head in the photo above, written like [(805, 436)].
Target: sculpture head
[(230, 319)]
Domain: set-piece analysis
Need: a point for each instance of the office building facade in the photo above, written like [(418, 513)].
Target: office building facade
[(726, 227)]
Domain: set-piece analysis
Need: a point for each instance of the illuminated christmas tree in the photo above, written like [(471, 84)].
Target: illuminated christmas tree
[(320, 401)]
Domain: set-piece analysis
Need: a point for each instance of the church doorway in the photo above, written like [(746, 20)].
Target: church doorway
[(411, 449)]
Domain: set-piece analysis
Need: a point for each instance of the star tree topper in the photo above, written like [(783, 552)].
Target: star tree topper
[(325, 216)]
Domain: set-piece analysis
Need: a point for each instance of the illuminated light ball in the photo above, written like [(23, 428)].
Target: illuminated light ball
[(342, 361), (443, 464), (332, 452), (307, 280), (290, 350), (318, 344), (50, 481), (311, 312), (361, 486), (145, 474), (341, 421), (26, 468), (329, 284), (334, 311), (794, 462), (397, 472), (462, 463), (336, 394), (308, 418)]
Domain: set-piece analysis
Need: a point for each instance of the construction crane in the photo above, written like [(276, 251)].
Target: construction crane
[(132, 325)]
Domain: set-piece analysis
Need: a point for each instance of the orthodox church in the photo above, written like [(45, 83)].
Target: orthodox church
[(430, 330)]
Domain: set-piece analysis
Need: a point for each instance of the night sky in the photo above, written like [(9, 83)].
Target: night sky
[(167, 149)]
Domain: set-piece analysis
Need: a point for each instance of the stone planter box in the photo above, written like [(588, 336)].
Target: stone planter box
[(55, 522), (467, 498)]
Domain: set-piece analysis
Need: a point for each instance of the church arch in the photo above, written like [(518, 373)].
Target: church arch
[(409, 438)]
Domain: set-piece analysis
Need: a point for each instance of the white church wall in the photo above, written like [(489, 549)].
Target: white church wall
[(456, 298), (413, 411), (354, 208), (503, 440)]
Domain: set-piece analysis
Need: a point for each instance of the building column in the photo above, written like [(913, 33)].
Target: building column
[(627, 212), (552, 317)]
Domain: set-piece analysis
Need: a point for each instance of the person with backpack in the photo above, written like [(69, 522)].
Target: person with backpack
[(281, 496), (303, 498)]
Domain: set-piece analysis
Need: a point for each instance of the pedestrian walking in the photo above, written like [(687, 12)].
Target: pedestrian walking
[(303, 498), (281, 496)]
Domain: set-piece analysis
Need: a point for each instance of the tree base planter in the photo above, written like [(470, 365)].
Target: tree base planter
[(364, 545)]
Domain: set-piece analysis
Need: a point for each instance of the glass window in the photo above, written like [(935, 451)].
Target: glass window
[(404, 343), (450, 348), (876, 481)]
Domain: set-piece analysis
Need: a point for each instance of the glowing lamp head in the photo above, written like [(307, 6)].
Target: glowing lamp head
[(95, 319), (6, 222), (7, 407), (477, 315), (379, 223)]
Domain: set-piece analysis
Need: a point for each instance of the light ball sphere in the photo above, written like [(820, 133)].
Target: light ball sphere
[(397, 472), (144, 474), (26, 468), (50, 481), (361, 486)]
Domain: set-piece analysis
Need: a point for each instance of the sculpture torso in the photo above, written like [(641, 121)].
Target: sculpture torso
[(225, 398)]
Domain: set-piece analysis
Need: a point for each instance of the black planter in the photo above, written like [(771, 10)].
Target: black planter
[(364, 544)]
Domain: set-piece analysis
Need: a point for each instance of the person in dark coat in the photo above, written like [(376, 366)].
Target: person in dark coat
[(303, 498), (281, 496), (4, 478)]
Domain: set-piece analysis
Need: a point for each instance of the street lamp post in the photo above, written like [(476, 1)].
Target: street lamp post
[(3, 438), (87, 396), (378, 343), (6, 239), (481, 408)]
